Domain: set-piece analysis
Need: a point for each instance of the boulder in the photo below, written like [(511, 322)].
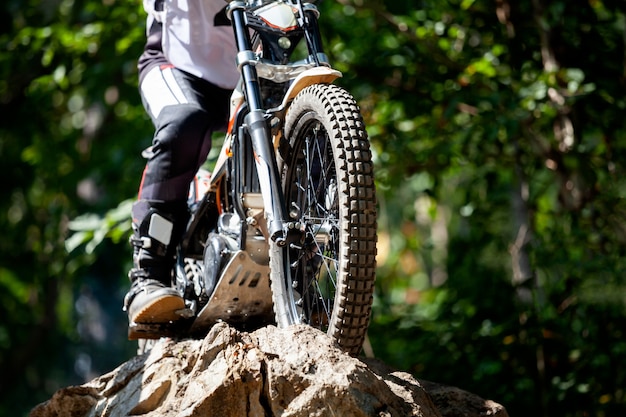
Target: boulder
[(293, 372)]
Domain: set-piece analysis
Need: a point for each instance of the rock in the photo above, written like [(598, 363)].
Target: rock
[(294, 372), (452, 401)]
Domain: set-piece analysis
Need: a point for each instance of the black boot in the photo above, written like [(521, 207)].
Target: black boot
[(157, 229)]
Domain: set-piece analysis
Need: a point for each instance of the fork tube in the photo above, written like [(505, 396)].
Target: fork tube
[(313, 33), (248, 72), (256, 126)]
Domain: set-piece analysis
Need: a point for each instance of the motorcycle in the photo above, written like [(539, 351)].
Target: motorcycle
[(283, 230)]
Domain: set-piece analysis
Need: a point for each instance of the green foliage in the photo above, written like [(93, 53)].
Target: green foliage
[(498, 135), (498, 149), (70, 128), (91, 229)]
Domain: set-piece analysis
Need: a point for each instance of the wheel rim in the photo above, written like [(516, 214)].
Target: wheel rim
[(312, 200)]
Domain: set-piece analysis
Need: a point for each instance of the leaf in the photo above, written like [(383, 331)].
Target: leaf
[(76, 240), (86, 222)]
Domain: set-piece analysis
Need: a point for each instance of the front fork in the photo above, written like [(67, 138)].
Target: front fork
[(257, 128)]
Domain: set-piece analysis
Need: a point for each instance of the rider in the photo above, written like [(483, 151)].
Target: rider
[(186, 75)]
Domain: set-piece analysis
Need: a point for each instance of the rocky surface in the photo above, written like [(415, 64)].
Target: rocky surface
[(270, 372)]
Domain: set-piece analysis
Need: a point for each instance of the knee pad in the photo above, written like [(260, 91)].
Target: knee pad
[(181, 125)]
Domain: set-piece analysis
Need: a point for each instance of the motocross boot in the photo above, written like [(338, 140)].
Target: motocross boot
[(157, 230)]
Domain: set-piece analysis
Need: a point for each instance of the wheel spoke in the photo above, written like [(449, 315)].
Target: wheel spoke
[(323, 279), (315, 264)]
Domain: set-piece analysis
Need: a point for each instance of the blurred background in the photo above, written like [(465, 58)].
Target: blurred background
[(499, 134)]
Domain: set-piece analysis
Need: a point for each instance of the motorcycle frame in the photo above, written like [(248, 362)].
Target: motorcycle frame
[(249, 155), (246, 177)]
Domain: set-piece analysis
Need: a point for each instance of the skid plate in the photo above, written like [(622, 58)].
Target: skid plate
[(242, 294)]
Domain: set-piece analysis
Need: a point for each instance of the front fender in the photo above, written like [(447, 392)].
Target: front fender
[(316, 75)]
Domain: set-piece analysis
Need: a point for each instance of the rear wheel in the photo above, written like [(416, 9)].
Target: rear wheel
[(326, 278)]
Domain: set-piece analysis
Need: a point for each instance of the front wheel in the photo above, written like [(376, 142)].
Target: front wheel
[(326, 278)]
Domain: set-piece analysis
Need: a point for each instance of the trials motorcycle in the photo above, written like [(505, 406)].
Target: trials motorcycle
[(283, 230)]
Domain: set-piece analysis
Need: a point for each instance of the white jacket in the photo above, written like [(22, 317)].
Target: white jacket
[(192, 42)]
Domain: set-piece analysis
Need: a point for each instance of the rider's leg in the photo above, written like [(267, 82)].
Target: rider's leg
[(185, 112)]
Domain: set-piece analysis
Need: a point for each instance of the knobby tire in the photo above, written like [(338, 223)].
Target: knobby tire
[(326, 279)]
